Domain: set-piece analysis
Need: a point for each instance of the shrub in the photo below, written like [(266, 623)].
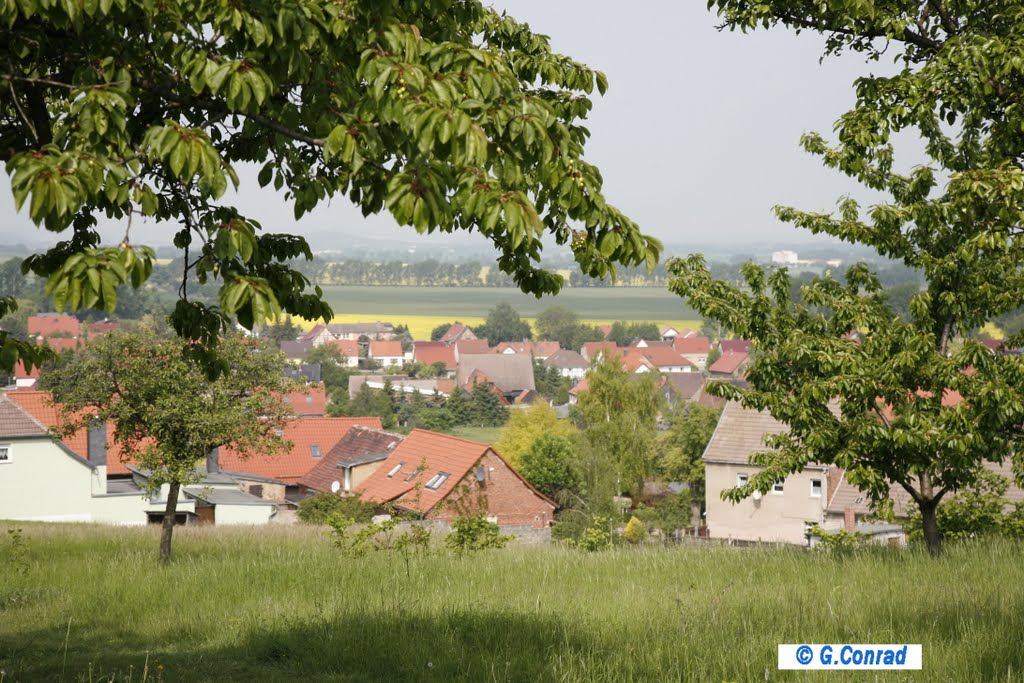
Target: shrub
[(635, 531), (840, 542), (473, 533), (319, 507), (596, 536)]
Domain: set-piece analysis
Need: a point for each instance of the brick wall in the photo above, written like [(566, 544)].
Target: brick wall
[(507, 500)]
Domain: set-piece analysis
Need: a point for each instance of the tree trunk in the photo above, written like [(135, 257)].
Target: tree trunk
[(930, 525), (167, 528)]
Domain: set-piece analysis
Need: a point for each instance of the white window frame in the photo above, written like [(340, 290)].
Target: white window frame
[(8, 450), (315, 450), (779, 487), (819, 487), (437, 480), (742, 479)]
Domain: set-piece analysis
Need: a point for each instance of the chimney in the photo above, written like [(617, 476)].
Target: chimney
[(96, 445), (213, 461), (849, 519)]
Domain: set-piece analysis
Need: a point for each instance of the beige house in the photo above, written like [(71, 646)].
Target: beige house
[(784, 514)]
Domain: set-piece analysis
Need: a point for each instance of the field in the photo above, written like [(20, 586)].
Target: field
[(424, 308), (275, 604)]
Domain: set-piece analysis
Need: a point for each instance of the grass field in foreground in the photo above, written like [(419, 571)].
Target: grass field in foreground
[(276, 604)]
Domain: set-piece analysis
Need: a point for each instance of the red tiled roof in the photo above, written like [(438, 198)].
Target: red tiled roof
[(692, 345), (102, 327), (591, 349), (16, 421), (60, 344), (471, 346), (304, 433), (358, 446), (46, 325), (436, 352), (420, 457), (735, 346), (540, 349), (348, 347), (581, 386), (457, 331), (663, 356), (386, 349), (605, 330), (310, 400), (728, 363), (39, 404), (317, 329), (20, 373)]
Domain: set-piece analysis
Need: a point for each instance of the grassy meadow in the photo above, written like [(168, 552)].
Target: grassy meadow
[(273, 604)]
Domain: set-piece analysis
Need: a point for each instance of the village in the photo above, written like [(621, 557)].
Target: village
[(85, 477)]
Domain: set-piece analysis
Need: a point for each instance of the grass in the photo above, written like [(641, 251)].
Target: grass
[(272, 603), (486, 435)]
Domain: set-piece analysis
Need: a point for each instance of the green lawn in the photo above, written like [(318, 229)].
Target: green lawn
[(598, 303), (486, 435), (276, 604)]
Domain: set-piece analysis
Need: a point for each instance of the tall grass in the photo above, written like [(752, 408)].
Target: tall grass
[(282, 604)]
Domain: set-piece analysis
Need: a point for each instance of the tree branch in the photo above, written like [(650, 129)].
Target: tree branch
[(945, 17), (908, 35)]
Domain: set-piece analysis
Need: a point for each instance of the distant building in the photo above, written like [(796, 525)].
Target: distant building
[(785, 258)]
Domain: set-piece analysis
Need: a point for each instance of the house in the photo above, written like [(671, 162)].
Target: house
[(349, 348), (53, 324), (295, 351), (682, 387), (387, 353), (734, 346), (307, 373), (455, 333), (694, 349), (25, 379), (429, 353), (316, 336), (401, 384), (592, 350), (470, 347), (574, 394), (784, 514), (669, 333), (568, 363), (605, 330), (104, 326), (538, 349), (661, 358), (375, 331), (729, 364), (351, 461), (311, 438), (60, 344), (442, 477), (648, 343), (43, 480), (310, 400), (512, 374)]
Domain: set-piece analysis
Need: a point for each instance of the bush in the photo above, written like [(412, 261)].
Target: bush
[(317, 508), (668, 514), (596, 536), (840, 542), (635, 531), (473, 533)]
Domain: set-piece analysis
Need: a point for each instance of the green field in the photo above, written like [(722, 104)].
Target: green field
[(278, 604), (608, 303)]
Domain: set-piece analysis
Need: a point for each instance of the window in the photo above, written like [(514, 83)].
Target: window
[(5, 452), (395, 470), (742, 479), (859, 500), (816, 488), (777, 487), (436, 481), (314, 450)]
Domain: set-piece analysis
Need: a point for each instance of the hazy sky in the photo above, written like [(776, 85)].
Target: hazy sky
[(697, 136)]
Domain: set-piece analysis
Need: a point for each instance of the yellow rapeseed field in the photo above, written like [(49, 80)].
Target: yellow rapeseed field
[(421, 325)]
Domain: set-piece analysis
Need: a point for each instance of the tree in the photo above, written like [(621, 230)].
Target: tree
[(551, 465), (445, 113), (619, 414), (504, 325), (905, 406), (165, 412), (977, 511), (439, 331), (623, 333), (282, 330), (682, 460), (560, 324), (485, 408), (334, 369), (525, 427)]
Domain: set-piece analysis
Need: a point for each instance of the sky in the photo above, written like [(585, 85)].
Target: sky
[(697, 136)]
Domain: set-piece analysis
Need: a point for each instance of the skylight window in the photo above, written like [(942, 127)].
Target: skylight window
[(314, 450), (395, 470), (436, 481)]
